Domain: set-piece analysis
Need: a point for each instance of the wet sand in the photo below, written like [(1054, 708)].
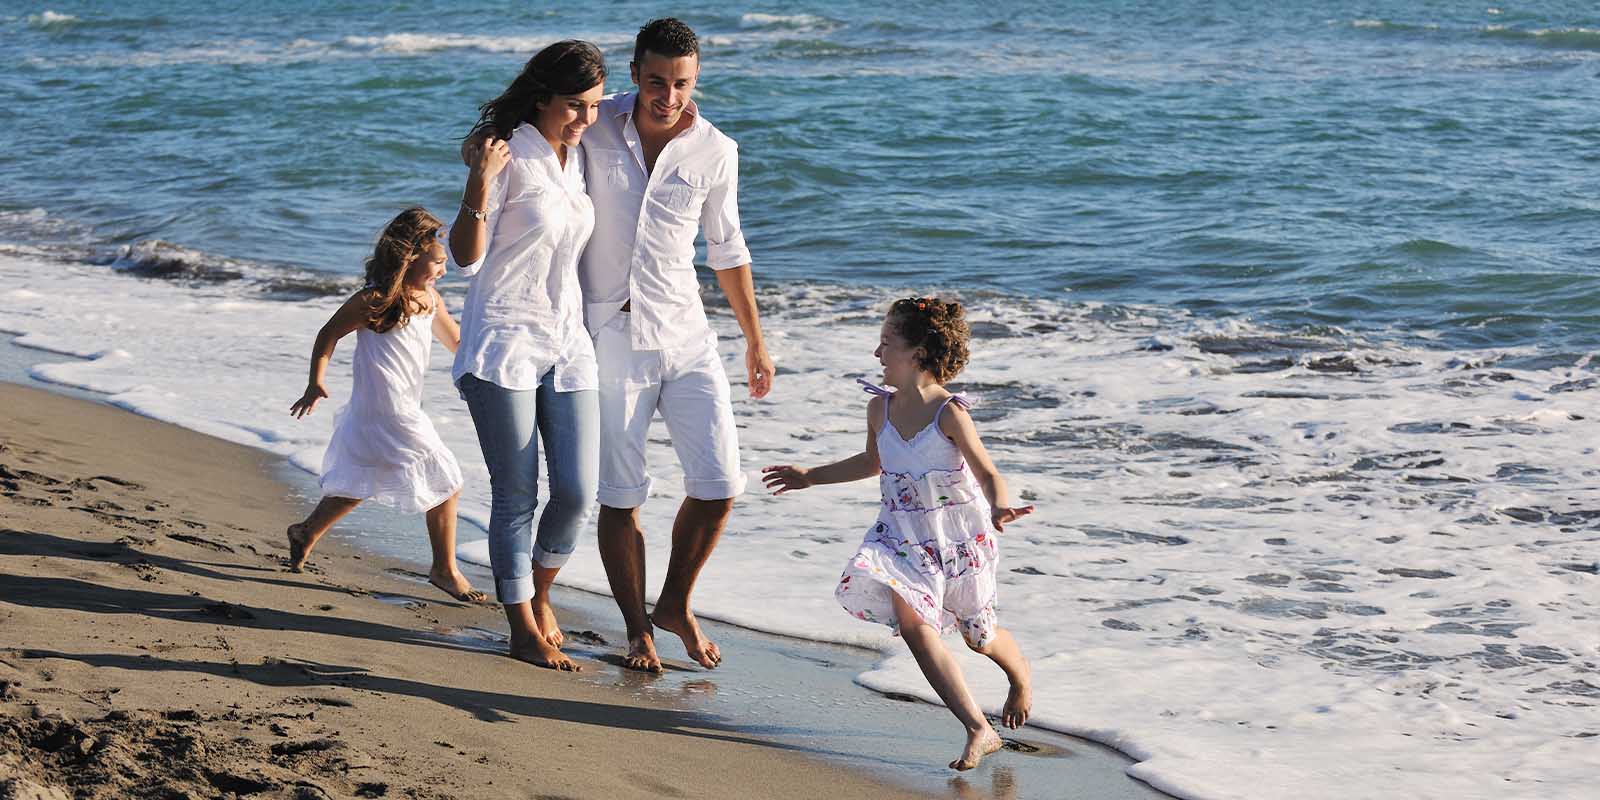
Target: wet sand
[(152, 641)]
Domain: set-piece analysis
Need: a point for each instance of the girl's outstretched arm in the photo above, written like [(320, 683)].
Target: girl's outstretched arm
[(445, 328), (782, 478), (352, 315), (956, 423)]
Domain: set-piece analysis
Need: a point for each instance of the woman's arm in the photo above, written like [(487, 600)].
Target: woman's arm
[(445, 328), (352, 315), (469, 236), (782, 478), (956, 424)]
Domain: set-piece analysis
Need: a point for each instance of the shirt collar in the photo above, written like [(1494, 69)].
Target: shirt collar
[(625, 109)]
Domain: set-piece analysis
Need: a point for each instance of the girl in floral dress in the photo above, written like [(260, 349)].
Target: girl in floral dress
[(928, 564)]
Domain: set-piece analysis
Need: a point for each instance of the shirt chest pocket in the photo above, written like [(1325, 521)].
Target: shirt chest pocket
[(684, 191)]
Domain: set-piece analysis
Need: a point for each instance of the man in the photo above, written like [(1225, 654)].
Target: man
[(658, 172)]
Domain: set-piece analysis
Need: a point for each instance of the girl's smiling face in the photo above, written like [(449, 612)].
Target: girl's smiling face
[(427, 266), (898, 357)]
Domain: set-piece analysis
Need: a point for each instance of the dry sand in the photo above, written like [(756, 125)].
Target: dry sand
[(152, 646)]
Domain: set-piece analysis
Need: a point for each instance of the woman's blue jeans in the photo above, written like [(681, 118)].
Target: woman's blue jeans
[(507, 423)]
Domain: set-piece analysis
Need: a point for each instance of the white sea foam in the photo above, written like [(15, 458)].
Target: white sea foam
[(51, 19), (1369, 574), (795, 21)]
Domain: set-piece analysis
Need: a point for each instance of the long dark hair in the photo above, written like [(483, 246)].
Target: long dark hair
[(566, 67), (402, 239)]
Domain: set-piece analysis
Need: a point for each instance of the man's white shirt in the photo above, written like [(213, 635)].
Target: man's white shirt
[(642, 251)]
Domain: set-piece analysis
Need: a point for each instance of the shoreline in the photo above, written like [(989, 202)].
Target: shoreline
[(798, 699)]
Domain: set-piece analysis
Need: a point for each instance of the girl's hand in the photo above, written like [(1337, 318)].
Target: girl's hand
[(785, 478), (490, 159), (308, 401), (1000, 515)]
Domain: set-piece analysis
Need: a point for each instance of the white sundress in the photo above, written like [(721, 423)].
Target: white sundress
[(384, 447), (933, 543)]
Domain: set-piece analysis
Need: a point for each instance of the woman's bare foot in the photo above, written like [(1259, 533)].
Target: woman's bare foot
[(642, 654), (456, 585), (545, 617), (1019, 701), (535, 650), (979, 744), (299, 550), (683, 623)]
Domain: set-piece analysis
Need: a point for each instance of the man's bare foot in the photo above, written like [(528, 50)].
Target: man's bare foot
[(1019, 701), (456, 585), (642, 654), (545, 617), (298, 550), (683, 623), (535, 650), (979, 744)]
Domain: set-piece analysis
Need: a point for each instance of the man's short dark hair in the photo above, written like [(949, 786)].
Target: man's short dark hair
[(666, 37)]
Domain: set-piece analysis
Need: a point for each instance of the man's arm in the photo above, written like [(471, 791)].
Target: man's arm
[(727, 254), (740, 290)]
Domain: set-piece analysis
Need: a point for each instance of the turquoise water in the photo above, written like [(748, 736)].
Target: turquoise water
[(1418, 170)]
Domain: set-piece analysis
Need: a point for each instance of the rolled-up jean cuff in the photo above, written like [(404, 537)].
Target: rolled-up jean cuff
[(622, 496), (722, 489), (510, 591), (548, 560)]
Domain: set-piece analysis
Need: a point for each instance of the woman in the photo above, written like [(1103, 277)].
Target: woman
[(526, 365)]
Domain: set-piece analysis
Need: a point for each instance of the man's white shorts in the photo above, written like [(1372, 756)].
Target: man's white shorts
[(690, 389)]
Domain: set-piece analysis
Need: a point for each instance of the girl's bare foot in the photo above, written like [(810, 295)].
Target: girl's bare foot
[(535, 650), (695, 643), (456, 585), (299, 551), (642, 654), (979, 744), (545, 617), (1019, 701)]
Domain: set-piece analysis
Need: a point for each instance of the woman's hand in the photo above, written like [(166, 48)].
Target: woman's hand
[(1000, 515), (785, 478), (308, 401), (490, 159)]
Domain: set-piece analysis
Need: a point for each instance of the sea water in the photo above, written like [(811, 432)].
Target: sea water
[(1284, 319)]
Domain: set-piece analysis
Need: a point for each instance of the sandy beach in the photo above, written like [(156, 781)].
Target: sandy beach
[(154, 646)]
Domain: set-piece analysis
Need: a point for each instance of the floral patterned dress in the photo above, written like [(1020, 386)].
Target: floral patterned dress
[(933, 543)]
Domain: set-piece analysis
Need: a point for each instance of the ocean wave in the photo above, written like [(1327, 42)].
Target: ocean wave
[(1577, 38), (407, 44), (51, 20), (791, 21)]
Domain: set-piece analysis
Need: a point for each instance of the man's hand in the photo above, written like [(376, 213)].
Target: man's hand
[(308, 401), (1000, 515), (758, 371), (785, 478)]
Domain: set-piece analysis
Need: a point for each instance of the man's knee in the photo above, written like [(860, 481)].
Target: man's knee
[(710, 511), (619, 521)]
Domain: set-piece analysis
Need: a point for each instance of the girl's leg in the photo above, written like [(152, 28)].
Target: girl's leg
[(506, 433), (1002, 649), (944, 675), (442, 537), (569, 424), (304, 535)]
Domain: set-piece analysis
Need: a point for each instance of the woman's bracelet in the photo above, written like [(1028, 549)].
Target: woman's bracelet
[(480, 216)]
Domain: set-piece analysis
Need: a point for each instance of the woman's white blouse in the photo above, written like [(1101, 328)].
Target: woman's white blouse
[(524, 311)]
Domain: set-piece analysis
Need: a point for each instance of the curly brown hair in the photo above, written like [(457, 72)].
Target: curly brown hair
[(938, 328), (566, 67), (402, 239)]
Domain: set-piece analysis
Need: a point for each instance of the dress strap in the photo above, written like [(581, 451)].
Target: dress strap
[(958, 399), (873, 388)]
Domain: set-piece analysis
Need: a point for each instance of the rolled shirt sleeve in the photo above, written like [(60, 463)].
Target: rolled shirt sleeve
[(719, 220)]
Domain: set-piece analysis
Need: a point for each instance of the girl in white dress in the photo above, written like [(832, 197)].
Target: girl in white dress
[(928, 564), (384, 447)]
